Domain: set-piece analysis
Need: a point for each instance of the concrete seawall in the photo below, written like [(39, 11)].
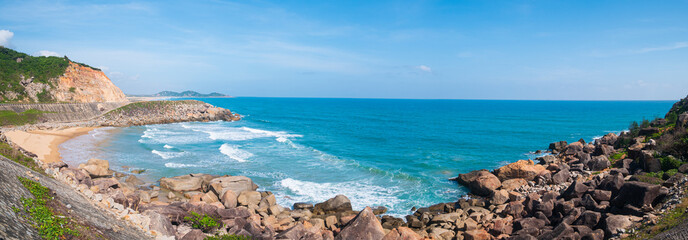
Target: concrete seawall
[(65, 112)]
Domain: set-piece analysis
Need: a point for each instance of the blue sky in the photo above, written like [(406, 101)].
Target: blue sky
[(370, 49)]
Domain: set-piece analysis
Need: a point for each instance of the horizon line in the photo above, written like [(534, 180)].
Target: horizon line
[(478, 99)]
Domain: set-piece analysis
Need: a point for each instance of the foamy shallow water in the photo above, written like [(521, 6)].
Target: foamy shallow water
[(394, 153)]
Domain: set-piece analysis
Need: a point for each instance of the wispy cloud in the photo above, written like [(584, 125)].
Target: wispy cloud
[(668, 47), (5, 37), (46, 53), (424, 68), (677, 45)]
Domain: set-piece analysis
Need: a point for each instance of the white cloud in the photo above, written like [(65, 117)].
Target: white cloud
[(5, 37), (425, 68), (674, 46), (46, 53)]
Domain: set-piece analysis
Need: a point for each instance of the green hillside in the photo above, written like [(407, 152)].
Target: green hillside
[(15, 65)]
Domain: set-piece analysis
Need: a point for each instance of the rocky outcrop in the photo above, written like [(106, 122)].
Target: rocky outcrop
[(159, 112), (85, 84)]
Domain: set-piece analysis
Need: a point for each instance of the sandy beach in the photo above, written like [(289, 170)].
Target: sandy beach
[(45, 143)]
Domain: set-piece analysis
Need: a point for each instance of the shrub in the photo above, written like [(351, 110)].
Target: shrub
[(645, 123), (205, 222), (671, 117), (669, 162)]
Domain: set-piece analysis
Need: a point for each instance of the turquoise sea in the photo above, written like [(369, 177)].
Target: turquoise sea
[(390, 152)]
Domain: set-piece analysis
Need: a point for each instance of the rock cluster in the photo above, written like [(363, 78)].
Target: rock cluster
[(574, 194)]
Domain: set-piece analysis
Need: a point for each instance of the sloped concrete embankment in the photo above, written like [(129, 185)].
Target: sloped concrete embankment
[(13, 226), (65, 112)]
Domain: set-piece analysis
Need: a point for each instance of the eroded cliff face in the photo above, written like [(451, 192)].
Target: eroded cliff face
[(84, 84)]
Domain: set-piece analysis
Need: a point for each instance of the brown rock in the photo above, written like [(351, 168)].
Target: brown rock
[(248, 198), (97, 168), (237, 184), (229, 199), (184, 183), (525, 169), (402, 233), (364, 226), (480, 182), (478, 234), (514, 183), (339, 203)]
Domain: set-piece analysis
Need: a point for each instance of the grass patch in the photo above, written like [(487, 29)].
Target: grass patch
[(669, 220), (49, 225), (618, 156), (18, 157), (653, 178), (8, 117), (205, 222), (227, 237)]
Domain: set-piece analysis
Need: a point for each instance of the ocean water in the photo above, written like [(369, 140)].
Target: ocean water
[(394, 153)]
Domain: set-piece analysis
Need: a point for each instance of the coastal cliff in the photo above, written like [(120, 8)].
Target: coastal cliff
[(85, 84), (29, 79)]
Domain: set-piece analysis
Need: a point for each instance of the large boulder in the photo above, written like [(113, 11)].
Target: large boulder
[(402, 233), (615, 223), (97, 168), (364, 226), (525, 169), (512, 184), (185, 183), (636, 193), (339, 203), (599, 163), (558, 146), (480, 182), (609, 139), (160, 223), (237, 184), (682, 120), (649, 162), (573, 148), (575, 190)]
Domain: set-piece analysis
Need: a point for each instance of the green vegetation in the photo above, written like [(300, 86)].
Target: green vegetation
[(669, 162), (672, 117), (618, 156), (227, 237), (669, 220), (653, 177), (72, 89), (8, 117), (205, 222), (49, 225), (15, 155), (12, 69)]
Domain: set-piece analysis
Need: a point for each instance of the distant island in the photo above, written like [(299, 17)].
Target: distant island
[(183, 94)]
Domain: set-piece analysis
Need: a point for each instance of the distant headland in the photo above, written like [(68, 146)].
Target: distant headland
[(182, 94)]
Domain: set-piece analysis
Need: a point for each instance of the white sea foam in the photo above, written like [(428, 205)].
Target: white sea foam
[(235, 153), (220, 132), (360, 193), (179, 165), (168, 146), (168, 155)]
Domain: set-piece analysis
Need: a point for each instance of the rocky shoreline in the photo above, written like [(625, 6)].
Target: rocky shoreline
[(582, 190)]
